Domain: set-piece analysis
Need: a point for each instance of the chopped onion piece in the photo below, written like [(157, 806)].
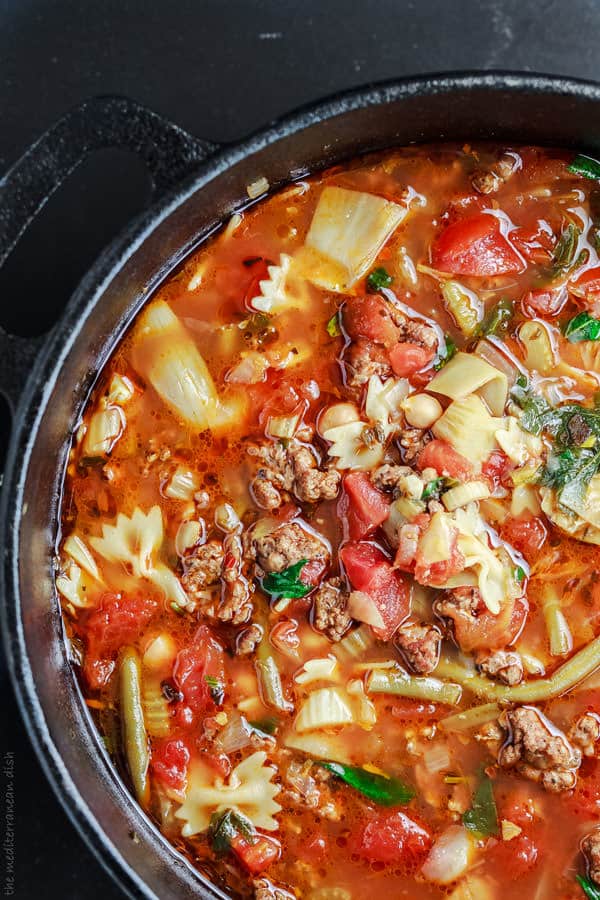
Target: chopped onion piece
[(324, 708), (282, 426), (104, 430), (226, 518), (450, 856), (258, 187), (182, 485)]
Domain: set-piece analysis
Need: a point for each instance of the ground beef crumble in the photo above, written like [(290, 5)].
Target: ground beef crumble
[(420, 646), (293, 469), (330, 613), (538, 750), (503, 665), (286, 546), (590, 847)]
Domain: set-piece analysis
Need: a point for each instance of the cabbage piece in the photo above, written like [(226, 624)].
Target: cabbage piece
[(166, 356), (464, 306), (348, 445), (78, 550), (492, 577), (436, 541), (320, 746), (540, 355), (347, 231), (469, 427), (136, 542), (520, 446), (273, 296), (568, 521), (382, 406), (103, 431), (586, 507), (71, 584), (325, 708), (467, 374), (250, 790)]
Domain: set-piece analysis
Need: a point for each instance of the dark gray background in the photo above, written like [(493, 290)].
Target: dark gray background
[(220, 68)]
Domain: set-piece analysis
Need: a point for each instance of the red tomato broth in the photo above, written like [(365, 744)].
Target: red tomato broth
[(322, 845)]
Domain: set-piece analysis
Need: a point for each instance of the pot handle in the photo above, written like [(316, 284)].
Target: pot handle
[(169, 152)]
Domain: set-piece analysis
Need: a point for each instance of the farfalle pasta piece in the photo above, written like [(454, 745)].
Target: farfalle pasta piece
[(273, 295), (250, 789), (136, 541)]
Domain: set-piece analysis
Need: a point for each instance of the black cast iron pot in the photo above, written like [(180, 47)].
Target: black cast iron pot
[(196, 186)]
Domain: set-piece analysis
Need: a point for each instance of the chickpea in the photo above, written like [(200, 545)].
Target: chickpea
[(338, 414), (421, 410)]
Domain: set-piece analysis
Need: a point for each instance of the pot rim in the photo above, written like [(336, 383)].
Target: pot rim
[(49, 363)]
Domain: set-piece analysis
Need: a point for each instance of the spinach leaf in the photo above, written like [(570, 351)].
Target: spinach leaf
[(582, 328), (482, 817), (225, 827), (584, 165), (287, 583), (378, 278), (450, 349), (497, 320), (385, 791), (333, 326), (570, 473), (564, 252), (590, 890)]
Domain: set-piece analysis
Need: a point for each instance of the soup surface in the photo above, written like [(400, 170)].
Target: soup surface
[(330, 536)]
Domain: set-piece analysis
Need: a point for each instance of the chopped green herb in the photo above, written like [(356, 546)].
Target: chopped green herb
[(584, 165), (482, 817), (287, 583), (522, 381), (432, 489), (582, 328), (378, 278), (225, 827), (385, 791), (333, 326), (450, 349), (574, 459), (497, 320), (177, 608), (590, 890), (520, 574), (267, 726)]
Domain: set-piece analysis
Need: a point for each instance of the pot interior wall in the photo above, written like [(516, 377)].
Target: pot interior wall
[(102, 307)]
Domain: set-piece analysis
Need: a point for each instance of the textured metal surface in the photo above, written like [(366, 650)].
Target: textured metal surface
[(168, 152), (503, 106)]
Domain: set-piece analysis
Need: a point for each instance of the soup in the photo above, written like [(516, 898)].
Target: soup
[(330, 530)]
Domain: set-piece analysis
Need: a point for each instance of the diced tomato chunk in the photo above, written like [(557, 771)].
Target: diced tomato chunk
[(476, 246), (258, 856), (527, 534), (365, 508), (371, 573), (118, 619), (544, 302), (485, 631), (170, 761), (392, 838), (199, 673), (441, 456), (514, 858), (586, 288), (407, 359), (495, 468), (439, 571), (369, 317)]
